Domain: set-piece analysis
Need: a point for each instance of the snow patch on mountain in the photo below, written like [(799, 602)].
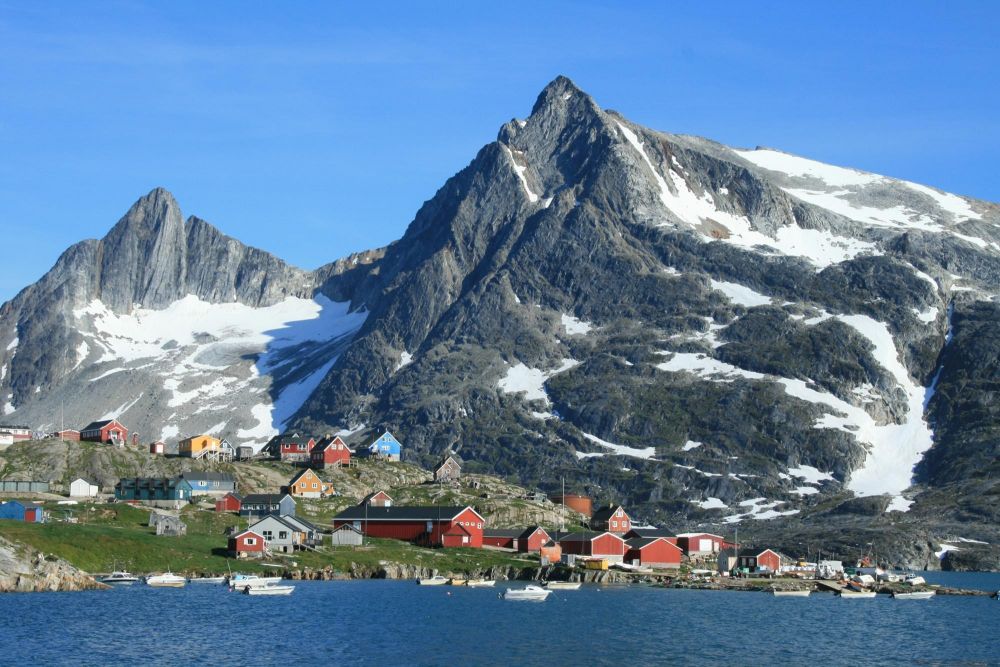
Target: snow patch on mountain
[(532, 197), (740, 294), (575, 326), (622, 450), (521, 378)]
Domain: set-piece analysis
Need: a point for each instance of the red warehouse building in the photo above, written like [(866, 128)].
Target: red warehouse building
[(229, 503), (247, 544), (430, 526), (595, 545), (653, 552), (330, 452), (700, 544), (108, 430), (526, 540)]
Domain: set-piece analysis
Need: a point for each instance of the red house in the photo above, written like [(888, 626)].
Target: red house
[(158, 447), (593, 544), (247, 544), (653, 552), (430, 526), (526, 540), (107, 430), (229, 503), (295, 448), (612, 518), (69, 434), (330, 452), (700, 544), (377, 499), (757, 560)]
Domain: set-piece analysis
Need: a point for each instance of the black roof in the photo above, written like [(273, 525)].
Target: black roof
[(328, 440), (585, 536), (300, 473), (208, 476), (649, 532), (23, 428), (295, 438), (503, 532), (263, 498), (605, 513), (148, 482), (369, 513), (94, 426), (640, 542), (530, 529)]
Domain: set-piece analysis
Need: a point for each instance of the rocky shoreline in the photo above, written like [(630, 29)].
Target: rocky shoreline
[(26, 570)]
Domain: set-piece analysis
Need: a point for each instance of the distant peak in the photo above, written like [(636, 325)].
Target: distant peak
[(560, 90)]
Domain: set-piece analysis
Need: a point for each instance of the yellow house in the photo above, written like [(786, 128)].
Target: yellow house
[(198, 445), (307, 484)]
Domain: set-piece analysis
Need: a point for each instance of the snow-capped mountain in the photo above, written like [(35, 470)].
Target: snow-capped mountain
[(712, 334)]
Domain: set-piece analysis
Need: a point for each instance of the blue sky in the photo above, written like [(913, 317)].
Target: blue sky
[(313, 130)]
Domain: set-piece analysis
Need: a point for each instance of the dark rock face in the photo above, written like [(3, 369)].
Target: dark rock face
[(658, 319)]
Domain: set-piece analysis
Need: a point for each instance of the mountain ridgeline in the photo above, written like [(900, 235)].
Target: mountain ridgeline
[(714, 336)]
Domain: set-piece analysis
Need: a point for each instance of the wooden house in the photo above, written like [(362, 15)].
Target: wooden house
[(346, 535), (700, 544), (525, 540), (165, 490), (330, 452), (246, 544), (384, 447), (109, 431), (158, 447), (230, 502), (377, 499), (66, 435), (653, 552), (501, 538), (83, 488), (752, 560), (17, 433), (428, 526), (448, 471), (210, 483), (594, 545), (307, 484), (611, 518), (666, 534), (21, 510), (263, 504), (197, 446), (284, 534), (167, 524), (295, 448)]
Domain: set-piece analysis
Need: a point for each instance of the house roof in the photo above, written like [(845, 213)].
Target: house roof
[(248, 531), (295, 439), (280, 519), (348, 526), (700, 534), (503, 532), (301, 523), (302, 473), (527, 532), (606, 512), (233, 494), (585, 536), (367, 499), (95, 426), (193, 475), (264, 498), (650, 532), (451, 457), (642, 542), (327, 442), (395, 513), (84, 479), (15, 426)]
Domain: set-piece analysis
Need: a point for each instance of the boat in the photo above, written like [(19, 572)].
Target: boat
[(166, 580), (436, 580), (530, 592), (562, 585), (849, 594), (481, 583), (270, 589), (120, 578), (207, 580), (914, 580), (241, 580), (803, 593), (915, 595), (455, 581)]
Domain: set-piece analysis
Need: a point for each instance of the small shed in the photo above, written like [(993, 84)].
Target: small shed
[(230, 502), (19, 510), (377, 499), (158, 447), (247, 544), (346, 535), (83, 488), (448, 471), (653, 552), (167, 524)]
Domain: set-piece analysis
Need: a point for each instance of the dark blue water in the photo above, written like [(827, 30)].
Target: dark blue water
[(400, 623)]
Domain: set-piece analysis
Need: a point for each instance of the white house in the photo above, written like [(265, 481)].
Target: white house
[(82, 488)]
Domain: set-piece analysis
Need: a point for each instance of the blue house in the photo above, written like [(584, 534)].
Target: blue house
[(18, 510), (209, 483), (385, 447)]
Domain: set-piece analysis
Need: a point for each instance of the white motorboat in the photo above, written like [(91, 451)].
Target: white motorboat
[(481, 583), (916, 595), (120, 578), (790, 594), (207, 580), (562, 585), (239, 581), (914, 580), (531, 593), (268, 590), (166, 580), (860, 595), (436, 580)]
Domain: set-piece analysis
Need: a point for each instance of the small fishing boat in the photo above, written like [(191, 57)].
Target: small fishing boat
[(120, 578), (436, 580), (860, 595), (166, 580), (455, 581), (778, 593), (916, 595), (562, 585), (271, 589), (530, 593), (481, 583), (239, 581), (914, 580), (207, 580)]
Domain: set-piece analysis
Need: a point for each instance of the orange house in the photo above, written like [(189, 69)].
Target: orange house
[(307, 484), (197, 445)]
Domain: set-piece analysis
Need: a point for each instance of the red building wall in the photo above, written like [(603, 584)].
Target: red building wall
[(238, 544), (607, 545), (770, 560), (659, 551), (501, 542), (412, 530), (227, 504), (534, 541)]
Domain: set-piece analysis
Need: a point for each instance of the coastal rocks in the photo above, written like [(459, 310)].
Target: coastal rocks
[(25, 570)]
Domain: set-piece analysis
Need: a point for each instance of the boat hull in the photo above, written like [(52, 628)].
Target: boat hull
[(857, 595), (481, 583), (269, 590), (918, 595), (791, 594), (563, 586), (527, 594)]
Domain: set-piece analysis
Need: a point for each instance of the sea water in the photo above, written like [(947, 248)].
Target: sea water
[(400, 623)]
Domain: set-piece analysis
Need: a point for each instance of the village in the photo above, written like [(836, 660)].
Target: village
[(309, 514)]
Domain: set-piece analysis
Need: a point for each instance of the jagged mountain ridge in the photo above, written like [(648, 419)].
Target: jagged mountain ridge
[(711, 334)]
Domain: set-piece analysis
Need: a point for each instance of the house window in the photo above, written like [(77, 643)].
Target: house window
[(315, 486), (618, 513), (357, 524), (268, 535), (282, 534), (614, 524), (250, 541), (479, 525), (465, 539)]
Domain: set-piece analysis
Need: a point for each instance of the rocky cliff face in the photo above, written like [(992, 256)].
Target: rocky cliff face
[(712, 335), (25, 570)]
